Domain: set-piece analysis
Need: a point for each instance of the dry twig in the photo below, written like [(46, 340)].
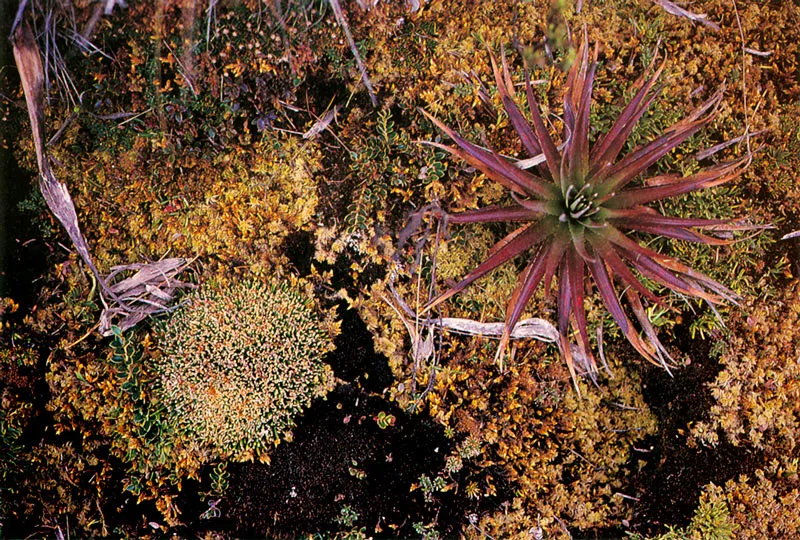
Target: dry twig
[(337, 11)]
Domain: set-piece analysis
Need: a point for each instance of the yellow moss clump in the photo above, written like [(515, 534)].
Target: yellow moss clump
[(463, 252), (253, 203), (566, 456), (764, 506), (240, 362), (235, 205), (103, 396), (757, 393)]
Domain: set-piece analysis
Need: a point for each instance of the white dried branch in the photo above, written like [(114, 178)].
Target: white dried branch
[(533, 328), (322, 123), (675, 9), (754, 52)]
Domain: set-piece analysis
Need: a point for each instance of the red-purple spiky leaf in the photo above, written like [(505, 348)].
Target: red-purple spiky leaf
[(579, 205)]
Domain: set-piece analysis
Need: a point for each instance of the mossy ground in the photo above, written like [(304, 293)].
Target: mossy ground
[(186, 138)]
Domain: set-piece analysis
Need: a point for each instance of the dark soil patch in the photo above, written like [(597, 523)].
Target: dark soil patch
[(340, 457), (354, 358), (674, 478), (25, 256), (671, 482), (299, 248)]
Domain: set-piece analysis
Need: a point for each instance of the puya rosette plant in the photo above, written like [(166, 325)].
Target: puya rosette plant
[(577, 205)]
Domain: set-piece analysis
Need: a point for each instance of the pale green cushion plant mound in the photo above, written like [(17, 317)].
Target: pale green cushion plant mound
[(241, 361)]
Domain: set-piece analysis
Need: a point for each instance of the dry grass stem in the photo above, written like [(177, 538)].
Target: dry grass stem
[(130, 300), (337, 11)]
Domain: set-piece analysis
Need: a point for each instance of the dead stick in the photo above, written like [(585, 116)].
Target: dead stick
[(337, 11)]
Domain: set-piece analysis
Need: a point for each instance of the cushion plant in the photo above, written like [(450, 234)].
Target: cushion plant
[(577, 207), (240, 362)]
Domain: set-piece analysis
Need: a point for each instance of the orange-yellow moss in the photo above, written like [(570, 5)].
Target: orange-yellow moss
[(761, 506), (757, 393), (192, 176)]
